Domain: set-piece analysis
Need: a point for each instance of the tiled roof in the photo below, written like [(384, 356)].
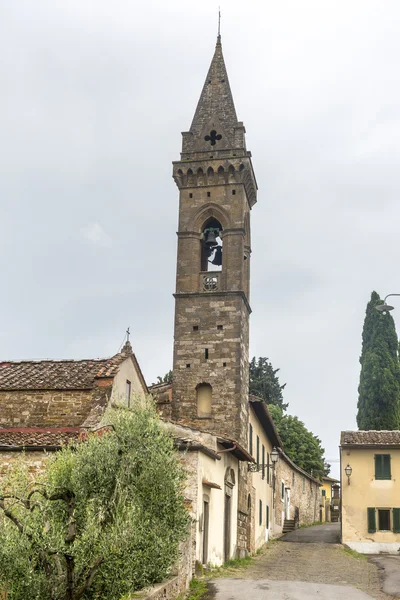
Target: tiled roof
[(19, 437), (59, 374), (370, 438)]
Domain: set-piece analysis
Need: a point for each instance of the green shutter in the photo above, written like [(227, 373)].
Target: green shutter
[(396, 520), (267, 516), (382, 466), (371, 520), (263, 461), (268, 467), (251, 439)]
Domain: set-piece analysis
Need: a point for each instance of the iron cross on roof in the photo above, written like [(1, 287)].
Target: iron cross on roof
[(213, 137)]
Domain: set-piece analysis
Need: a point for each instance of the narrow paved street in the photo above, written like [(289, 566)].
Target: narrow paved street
[(303, 571), (329, 533)]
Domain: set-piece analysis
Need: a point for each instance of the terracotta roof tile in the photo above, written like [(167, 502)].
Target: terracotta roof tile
[(19, 437), (59, 374), (370, 438)]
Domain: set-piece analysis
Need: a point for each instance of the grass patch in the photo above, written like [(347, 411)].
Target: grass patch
[(197, 589), (354, 554)]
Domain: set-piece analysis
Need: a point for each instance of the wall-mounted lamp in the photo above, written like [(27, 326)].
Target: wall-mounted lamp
[(348, 470), (274, 456)]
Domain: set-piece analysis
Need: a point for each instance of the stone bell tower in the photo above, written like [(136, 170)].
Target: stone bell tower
[(217, 190)]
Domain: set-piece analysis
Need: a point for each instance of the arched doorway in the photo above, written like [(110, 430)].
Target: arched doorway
[(229, 484)]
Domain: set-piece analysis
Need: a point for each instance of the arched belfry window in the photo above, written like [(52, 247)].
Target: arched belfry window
[(211, 246), (204, 399)]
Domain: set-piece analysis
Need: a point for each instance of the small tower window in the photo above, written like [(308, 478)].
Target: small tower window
[(206, 353), (190, 195), (233, 192), (195, 327), (188, 366), (208, 194), (220, 327), (204, 399)]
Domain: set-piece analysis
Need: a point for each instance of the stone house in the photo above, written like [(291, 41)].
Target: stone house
[(370, 487), (45, 404)]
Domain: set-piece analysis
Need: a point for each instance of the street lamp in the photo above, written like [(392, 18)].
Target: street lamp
[(274, 459), (348, 470), (385, 307)]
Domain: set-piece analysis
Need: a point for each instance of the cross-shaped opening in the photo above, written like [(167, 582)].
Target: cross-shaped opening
[(213, 137)]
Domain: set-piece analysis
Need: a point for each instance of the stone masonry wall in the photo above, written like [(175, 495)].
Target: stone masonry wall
[(305, 494), (36, 461), (44, 408), (222, 329)]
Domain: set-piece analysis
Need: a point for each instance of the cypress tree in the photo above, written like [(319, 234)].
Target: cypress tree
[(379, 389)]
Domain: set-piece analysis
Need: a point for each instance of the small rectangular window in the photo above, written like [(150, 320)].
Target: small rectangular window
[(195, 327), (251, 439), (220, 327), (293, 479), (283, 491), (260, 512), (233, 192), (190, 195), (206, 353), (224, 364), (263, 461), (128, 392), (304, 484), (384, 519), (382, 466), (188, 366), (258, 453), (208, 194), (324, 492)]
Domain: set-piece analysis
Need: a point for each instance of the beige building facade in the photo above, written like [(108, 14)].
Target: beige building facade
[(370, 491)]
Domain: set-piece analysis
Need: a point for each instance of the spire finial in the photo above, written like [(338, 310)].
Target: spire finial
[(128, 333), (219, 25)]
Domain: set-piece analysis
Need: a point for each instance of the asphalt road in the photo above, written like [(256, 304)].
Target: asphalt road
[(264, 589), (329, 533), (391, 572)]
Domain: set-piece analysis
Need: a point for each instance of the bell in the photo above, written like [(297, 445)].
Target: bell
[(210, 240), (217, 260)]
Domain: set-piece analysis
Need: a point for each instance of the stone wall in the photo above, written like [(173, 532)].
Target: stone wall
[(36, 461), (221, 324), (52, 408), (305, 494)]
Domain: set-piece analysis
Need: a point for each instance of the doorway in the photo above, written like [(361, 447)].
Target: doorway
[(206, 520), (287, 503), (227, 528)]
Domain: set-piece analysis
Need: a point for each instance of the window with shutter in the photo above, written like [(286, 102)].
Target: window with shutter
[(267, 516), (268, 467), (396, 520), (258, 453), (263, 461), (382, 466), (251, 439), (371, 520), (260, 512)]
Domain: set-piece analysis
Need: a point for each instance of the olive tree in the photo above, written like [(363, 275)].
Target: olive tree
[(103, 520)]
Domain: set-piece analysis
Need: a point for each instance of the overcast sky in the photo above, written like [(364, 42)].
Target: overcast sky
[(94, 96)]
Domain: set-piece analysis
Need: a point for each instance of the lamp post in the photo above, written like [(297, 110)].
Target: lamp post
[(274, 459), (383, 308), (348, 470)]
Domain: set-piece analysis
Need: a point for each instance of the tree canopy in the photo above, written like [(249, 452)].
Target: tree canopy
[(264, 382), (379, 388), (104, 520), (301, 445), (166, 379)]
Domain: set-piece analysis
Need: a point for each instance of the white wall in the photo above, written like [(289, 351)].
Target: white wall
[(127, 371)]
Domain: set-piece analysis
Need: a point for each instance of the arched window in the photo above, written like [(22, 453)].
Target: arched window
[(204, 399), (211, 246)]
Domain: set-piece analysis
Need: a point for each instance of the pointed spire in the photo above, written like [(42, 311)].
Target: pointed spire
[(216, 101)]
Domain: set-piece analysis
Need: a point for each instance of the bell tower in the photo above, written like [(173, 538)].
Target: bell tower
[(217, 189)]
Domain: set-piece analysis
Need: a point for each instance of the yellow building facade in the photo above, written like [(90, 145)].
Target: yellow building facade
[(370, 484)]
